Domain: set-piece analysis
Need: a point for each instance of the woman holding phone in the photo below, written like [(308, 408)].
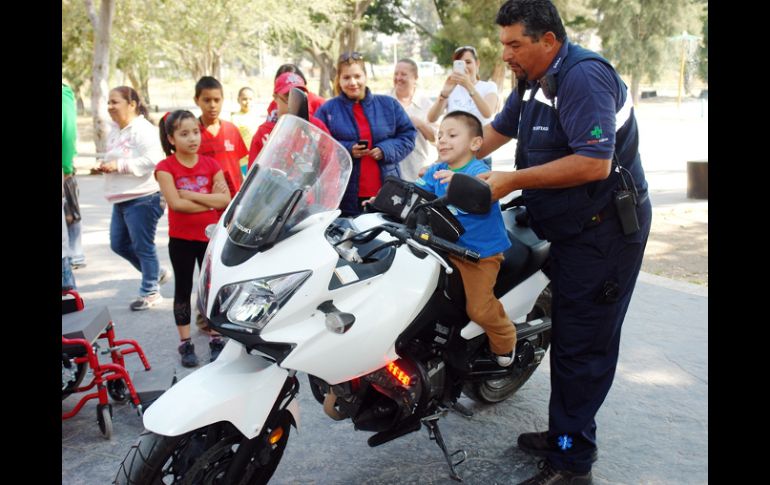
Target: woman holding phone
[(464, 90), (374, 128)]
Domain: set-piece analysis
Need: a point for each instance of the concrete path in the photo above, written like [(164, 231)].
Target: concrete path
[(652, 429)]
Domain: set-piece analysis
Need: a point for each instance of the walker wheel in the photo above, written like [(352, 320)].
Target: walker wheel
[(118, 391), (104, 418)]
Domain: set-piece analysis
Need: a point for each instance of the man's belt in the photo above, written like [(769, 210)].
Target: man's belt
[(609, 211)]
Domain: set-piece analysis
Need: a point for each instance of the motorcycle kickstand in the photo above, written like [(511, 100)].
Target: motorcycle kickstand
[(435, 434)]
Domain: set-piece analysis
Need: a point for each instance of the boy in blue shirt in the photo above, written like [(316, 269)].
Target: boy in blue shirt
[(459, 137)]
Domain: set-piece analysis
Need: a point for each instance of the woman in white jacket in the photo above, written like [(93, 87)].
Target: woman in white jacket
[(133, 150)]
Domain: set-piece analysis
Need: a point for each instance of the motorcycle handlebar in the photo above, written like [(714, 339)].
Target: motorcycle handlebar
[(424, 236)]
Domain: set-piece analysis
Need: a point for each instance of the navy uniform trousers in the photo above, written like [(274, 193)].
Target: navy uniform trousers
[(592, 276)]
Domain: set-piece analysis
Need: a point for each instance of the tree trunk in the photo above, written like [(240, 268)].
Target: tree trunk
[(635, 78), (102, 24), (498, 75), (327, 74)]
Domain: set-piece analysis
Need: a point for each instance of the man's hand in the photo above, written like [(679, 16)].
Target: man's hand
[(501, 183)]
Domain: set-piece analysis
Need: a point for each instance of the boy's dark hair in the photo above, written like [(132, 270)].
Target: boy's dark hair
[(207, 82), (290, 68), (245, 88), (537, 17), (168, 124), (130, 94), (473, 123)]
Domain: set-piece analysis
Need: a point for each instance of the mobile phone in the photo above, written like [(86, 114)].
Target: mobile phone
[(365, 143), (458, 67)]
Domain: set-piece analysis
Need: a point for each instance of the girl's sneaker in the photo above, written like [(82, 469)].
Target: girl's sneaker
[(187, 351)]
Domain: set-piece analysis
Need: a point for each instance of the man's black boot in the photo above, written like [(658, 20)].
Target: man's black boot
[(551, 476), (536, 444)]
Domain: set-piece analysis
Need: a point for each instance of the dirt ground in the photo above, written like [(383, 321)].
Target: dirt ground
[(678, 244)]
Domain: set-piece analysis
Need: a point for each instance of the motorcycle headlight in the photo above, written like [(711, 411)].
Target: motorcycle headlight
[(253, 303)]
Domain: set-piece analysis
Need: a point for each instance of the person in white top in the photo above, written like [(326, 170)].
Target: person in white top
[(416, 106), (133, 150), (466, 92)]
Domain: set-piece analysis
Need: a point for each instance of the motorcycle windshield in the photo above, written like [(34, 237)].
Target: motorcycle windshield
[(301, 171)]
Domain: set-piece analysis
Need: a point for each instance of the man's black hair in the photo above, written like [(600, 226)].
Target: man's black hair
[(537, 17), (469, 120)]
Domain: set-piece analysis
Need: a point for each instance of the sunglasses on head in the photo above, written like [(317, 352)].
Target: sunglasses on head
[(466, 48), (347, 56)]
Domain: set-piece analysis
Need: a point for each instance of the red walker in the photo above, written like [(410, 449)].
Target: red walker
[(81, 330)]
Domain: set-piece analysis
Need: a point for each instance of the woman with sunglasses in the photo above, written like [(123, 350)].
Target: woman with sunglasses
[(467, 92), (374, 128)]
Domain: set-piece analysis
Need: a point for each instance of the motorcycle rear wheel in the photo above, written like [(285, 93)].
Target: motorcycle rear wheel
[(497, 390), (206, 455)]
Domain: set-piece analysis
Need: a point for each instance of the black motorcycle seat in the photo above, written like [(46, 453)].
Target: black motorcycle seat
[(526, 255)]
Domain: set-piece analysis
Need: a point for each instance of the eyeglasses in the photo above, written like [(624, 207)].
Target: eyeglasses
[(348, 56), (467, 48)]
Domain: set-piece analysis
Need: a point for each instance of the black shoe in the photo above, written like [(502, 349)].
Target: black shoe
[(550, 476), (216, 345), (536, 444), (187, 350)]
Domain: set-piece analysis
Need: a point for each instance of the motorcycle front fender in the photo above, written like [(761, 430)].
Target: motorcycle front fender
[(237, 387)]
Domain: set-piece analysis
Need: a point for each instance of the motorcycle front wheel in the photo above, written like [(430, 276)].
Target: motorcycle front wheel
[(496, 390), (218, 453)]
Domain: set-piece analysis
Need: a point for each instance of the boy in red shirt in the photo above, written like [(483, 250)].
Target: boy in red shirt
[(283, 84), (220, 139)]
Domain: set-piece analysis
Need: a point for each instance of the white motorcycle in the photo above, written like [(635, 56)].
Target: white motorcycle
[(368, 308)]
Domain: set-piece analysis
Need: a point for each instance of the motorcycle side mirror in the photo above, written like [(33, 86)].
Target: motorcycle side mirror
[(469, 194), (298, 104)]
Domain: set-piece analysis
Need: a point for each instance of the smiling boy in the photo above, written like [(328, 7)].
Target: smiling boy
[(459, 137)]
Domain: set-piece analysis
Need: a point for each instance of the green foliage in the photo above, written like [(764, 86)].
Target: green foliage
[(634, 33), (77, 39), (383, 16), (703, 66), (469, 22)]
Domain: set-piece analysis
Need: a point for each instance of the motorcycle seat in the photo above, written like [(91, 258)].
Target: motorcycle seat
[(526, 255)]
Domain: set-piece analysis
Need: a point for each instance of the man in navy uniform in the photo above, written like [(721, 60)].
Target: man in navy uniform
[(582, 180)]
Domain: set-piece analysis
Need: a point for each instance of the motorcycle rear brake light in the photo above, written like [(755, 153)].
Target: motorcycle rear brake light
[(401, 376)]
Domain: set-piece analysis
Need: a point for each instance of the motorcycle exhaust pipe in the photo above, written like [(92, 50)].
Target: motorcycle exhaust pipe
[(329, 408)]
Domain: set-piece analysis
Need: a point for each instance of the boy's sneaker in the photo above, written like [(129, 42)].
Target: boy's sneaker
[(216, 345), (187, 351), (146, 302), (504, 360), (165, 275)]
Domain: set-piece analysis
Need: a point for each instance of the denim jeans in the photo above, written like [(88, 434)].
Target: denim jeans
[(76, 245), (132, 236), (67, 278)]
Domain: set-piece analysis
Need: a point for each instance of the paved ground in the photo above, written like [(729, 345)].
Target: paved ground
[(653, 427)]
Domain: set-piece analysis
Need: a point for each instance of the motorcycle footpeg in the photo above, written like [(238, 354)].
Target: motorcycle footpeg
[(461, 410)]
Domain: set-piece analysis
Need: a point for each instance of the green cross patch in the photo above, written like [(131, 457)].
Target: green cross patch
[(596, 132)]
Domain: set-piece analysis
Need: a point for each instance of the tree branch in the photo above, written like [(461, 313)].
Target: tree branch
[(415, 23)]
